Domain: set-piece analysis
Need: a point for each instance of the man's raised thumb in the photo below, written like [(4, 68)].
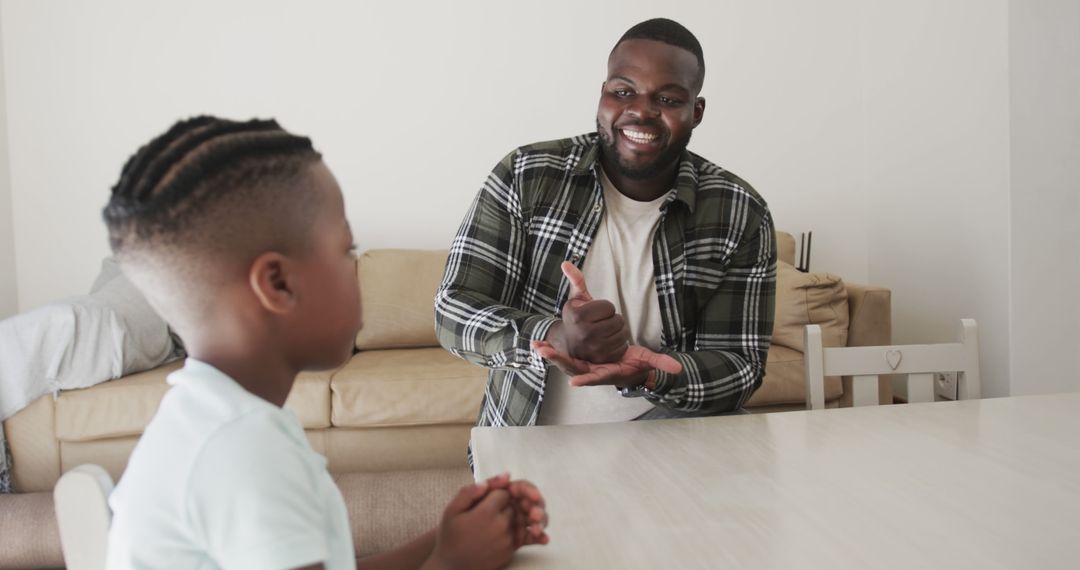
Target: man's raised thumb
[(578, 290)]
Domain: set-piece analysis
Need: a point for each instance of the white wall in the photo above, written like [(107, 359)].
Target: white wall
[(882, 127), (1044, 54), (9, 302), (380, 85), (937, 170)]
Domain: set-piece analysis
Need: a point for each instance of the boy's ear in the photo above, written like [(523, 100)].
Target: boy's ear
[(271, 280)]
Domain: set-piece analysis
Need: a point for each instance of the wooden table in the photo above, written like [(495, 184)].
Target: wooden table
[(975, 484)]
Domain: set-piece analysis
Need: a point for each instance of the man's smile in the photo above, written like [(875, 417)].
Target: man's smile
[(639, 135)]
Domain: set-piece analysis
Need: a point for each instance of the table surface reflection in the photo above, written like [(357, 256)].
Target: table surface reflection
[(989, 483)]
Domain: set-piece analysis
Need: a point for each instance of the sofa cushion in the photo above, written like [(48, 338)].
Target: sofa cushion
[(397, 297), (116, 408), (785, 380), (124, 407), (801, 299), (310, 399), (809, 298), (420, 386)]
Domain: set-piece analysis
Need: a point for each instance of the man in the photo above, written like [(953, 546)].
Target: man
[(618, 257)]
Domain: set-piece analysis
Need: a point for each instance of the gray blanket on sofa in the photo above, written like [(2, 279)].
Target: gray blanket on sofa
[(77, 343)]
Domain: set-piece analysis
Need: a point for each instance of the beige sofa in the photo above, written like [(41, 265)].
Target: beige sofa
[(401, 402)]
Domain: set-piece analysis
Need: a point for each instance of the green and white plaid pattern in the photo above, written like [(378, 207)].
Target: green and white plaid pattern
[(714, 257)]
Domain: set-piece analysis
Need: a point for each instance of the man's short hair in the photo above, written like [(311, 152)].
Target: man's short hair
[(672, 33)]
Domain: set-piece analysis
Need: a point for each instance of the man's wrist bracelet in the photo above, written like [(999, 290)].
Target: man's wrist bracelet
[(646, 387)]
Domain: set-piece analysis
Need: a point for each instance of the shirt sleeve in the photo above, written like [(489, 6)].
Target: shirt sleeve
[(732, 335), (474, 318), (252, 498)]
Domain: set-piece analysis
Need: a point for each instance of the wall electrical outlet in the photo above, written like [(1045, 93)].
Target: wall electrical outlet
[(945, 385)]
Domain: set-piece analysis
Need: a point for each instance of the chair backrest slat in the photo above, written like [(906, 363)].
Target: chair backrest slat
[(915, 361), (909, 359), (81, 497)]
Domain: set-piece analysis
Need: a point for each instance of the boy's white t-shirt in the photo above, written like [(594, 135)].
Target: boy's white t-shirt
[(223, 479)]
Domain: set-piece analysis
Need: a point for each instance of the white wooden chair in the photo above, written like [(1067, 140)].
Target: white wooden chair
[(83, 516), (917, 361)]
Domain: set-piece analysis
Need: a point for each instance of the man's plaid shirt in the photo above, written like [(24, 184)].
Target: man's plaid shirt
[(714, 256)]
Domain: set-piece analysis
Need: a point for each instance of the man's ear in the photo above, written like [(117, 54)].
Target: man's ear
[(699, 111), (271, 280)]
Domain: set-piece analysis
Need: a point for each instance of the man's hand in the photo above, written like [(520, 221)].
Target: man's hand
[(590, 328), (629, 371)]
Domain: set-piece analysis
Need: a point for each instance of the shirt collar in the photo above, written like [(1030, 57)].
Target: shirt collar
[(686, 182)]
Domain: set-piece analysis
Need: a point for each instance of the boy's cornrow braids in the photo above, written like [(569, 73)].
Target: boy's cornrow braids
[(163, 178), (133, 169), (175, 154), (183, 188), (121, 202)]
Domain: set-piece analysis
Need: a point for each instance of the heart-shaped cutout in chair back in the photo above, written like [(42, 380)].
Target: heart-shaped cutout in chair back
[(893, 357)]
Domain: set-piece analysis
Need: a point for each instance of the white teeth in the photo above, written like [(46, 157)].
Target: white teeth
[(639, 137)]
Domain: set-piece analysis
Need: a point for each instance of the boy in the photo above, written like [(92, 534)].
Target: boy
[(236, 234)]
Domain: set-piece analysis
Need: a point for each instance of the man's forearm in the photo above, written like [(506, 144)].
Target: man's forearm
[(720, 381), (478, 329)]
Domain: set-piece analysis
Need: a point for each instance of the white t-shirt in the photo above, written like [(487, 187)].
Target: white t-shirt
[(223, 479), (619, 268)]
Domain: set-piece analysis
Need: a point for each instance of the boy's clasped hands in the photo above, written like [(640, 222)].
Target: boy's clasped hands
[(486, 522)]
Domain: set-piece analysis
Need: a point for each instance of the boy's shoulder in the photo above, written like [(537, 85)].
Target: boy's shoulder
[(207, 417), (207, 456)]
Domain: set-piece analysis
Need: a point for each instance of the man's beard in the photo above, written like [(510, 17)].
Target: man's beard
[(670, 156)]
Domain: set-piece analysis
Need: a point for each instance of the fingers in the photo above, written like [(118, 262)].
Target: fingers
[(594, 332), (495, 500), (523, 489), (567, 363), (543, 538), (500, 481), (634, 360), (650, 359), (537, 523), (519, 529), (578, 290), (602, 374), (538, 518), (603, 351), (530, 516), (465, 499), (595, 311)]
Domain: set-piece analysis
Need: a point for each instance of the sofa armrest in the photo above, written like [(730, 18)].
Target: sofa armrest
[(35, 450), (870, 315), (870, 324)]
